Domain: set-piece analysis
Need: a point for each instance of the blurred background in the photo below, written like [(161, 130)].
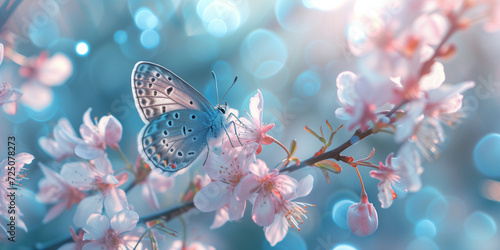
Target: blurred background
[(292, 50)]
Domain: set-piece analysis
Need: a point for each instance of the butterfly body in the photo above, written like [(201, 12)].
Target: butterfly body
[(179, 120)]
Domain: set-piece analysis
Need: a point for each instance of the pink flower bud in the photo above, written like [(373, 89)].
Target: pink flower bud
[(362, 218)]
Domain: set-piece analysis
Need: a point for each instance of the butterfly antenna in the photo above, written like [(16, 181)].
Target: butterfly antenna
[(216, 88), (235, 79)]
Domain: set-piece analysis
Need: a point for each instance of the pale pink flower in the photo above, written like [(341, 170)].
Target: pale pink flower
[(77, 243), (226, 170), (360, 98), (43, 72), (149, 182), (103, 233), (108, 131), (253, 129), (195, 186), (55, 190), (289, 213), (269, 186), (8, 98), (63, 143), (388, 175), (20, 160), (179, 245), (97, 176), (362, 217)]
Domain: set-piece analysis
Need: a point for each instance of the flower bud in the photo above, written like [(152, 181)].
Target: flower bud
[(362, 217)]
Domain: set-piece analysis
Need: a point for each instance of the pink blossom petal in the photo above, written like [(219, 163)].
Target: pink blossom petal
[(79, 175), (221, 217), (96, 227), (258, 168), (54, 211), (212, 197), (112, 130), (263, 209), (277, 231), (103, 165), (115, 201), (88, 152), (87, 121), (305, 186), (345, 85), (124, 221), (430, 28), (10, 108), (236, 208), (246, 188), (89, 205), (55, 70), (434, 79), (160, 182), (256, 107), (385, 192)]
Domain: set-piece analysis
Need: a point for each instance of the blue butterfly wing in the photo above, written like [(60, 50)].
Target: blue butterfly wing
[(158, 90)]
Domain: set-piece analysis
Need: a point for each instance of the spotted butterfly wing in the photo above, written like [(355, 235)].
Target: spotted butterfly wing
[(178, 118)]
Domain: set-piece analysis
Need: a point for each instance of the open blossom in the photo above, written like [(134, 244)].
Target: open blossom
[(289, 213), (97, 176), (362, 217), (103, 233), (43, 72), (149, 182), (253, 129), (108, 131), (360, 98), (226, 170), (388, 175), (63, 143), (20, 160), (269, 186), (55, 190)]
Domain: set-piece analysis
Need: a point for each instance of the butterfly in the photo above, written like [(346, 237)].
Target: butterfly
[(179, 120)]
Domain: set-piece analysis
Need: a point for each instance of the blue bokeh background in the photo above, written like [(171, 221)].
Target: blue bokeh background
[(292, 51)]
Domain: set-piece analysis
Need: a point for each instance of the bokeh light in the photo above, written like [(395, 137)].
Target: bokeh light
[(425, 229), (82, 48), (422, 244), (339, 213), (120, 36), (417, 204), (307, 84), (150, 38), (219, 17), (293, 15), (480, 226), (487, 156), (145, 19), (344, 247), (263, 53)]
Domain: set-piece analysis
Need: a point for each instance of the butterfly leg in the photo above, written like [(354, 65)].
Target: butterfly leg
[(224, 126), (206, 157)]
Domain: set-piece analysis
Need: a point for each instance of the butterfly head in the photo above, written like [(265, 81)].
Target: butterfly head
[(222, 108)]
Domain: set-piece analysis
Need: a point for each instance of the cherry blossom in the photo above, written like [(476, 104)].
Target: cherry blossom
[(149, 182), (362, 217), (269, 186), (103, 233), (408, 162), (96, 136), (226, 171), (360, 98), (98, 176), (253, 129), (388, 176), (63, 143), (289, 213), (55, 190), (221, 217), (21, 159), (43, 72)]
